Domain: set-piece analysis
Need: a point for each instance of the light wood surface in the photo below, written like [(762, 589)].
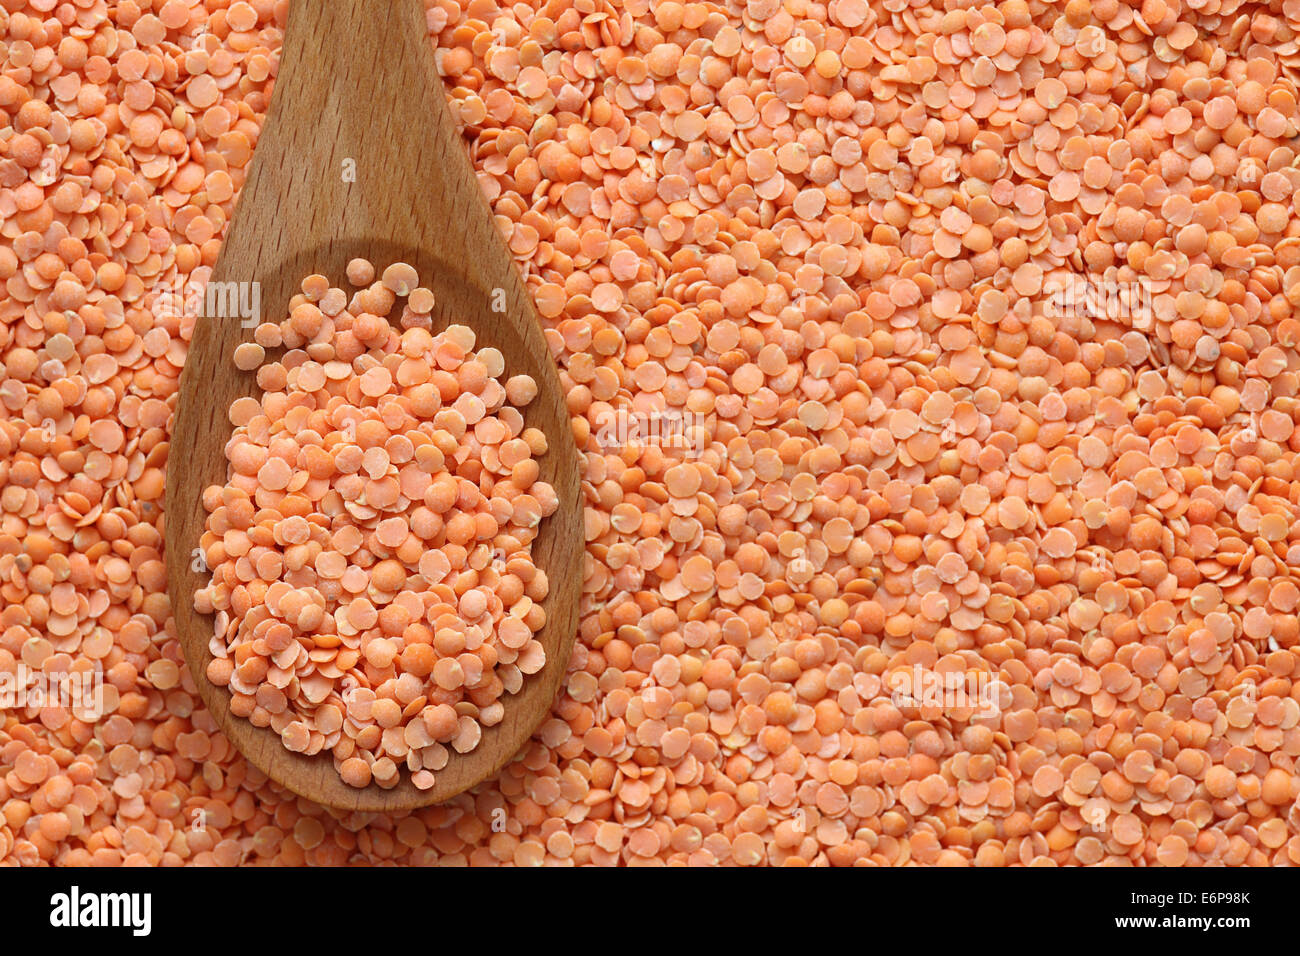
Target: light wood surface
[(357, 89)]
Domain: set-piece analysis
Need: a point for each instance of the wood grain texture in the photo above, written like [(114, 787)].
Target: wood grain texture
[(357, 82)]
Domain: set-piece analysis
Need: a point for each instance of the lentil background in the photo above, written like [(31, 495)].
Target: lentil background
[(830, 232)]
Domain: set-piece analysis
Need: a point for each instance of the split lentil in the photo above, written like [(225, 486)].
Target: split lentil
[(372, 576), (830, 238)]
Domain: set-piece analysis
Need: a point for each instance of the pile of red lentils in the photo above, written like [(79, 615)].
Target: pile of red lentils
[(373, 585), (831, 237)]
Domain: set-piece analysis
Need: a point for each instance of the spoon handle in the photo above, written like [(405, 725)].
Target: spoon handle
[(360, 144)]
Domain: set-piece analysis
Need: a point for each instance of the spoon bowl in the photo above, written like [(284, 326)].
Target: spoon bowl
[(360, 158)]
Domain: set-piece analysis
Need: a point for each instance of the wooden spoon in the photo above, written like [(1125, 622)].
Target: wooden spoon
[(360, 157)]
